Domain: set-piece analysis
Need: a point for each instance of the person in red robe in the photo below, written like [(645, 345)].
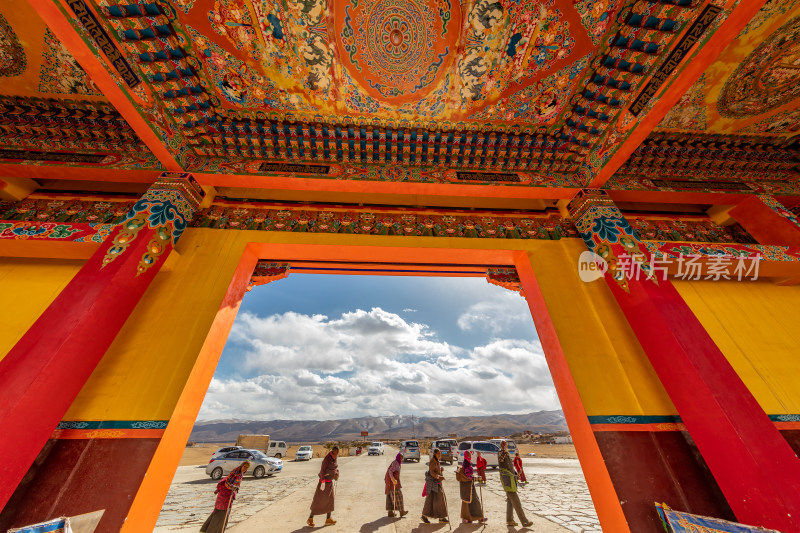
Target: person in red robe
[(518, 468), (480, 465), (325, 495), (226, 493)]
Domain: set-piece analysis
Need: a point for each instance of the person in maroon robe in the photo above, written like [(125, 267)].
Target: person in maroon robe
[(226, 493), (325, 494)]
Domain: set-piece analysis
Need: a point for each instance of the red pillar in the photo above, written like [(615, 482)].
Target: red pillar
[(755, 467), (45, 370), (767, 220)]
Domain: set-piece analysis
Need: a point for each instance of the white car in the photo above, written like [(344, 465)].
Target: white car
[(260, 464), (376, 448), (488, 451), (224, 450), (304, 453)]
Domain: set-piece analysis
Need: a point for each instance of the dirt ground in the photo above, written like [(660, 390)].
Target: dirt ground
[(200, 454), (557, 499), (553, 451)]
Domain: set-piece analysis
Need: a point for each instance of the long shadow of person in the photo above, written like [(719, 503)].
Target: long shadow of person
[(375, 525), (427, 528)]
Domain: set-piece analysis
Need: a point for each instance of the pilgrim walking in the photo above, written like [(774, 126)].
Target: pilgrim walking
[(226, 493), (509, 480), (480, 464), (518, 468), (435, 504), (470, 503), (326, 490), (394, 494)]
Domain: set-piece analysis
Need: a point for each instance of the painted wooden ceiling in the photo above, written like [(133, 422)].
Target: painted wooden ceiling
[(539, 93)]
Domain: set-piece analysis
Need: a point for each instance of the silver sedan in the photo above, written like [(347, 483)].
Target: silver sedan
[(260, 464)]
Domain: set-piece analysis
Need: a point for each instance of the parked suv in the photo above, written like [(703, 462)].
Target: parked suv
[(488, 451), (277, 448), (447, 448), (410, 450), (376, 448)]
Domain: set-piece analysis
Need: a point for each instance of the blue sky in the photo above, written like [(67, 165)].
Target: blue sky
[(326, 347)]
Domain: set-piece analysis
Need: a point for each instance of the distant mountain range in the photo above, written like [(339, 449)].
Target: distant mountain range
[(388, 427)]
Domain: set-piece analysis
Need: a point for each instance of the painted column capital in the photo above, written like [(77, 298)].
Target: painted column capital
[(171, 201), (167, 207), (608, 234)]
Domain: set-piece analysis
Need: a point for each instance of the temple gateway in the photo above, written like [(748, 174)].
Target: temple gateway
[(630, 167)]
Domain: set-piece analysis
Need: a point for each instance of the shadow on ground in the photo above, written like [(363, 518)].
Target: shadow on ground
[(375, 525)]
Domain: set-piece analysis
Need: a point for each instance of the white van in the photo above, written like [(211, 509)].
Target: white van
[(488, 451), (277, 448), (512, 446)]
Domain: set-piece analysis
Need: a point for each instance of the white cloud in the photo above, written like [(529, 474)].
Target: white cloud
[(500, 312), (359, 339), (295, 366)]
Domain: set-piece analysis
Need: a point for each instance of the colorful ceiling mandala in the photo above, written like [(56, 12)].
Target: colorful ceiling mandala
[(399, 47), (12, 56), (768, 78)]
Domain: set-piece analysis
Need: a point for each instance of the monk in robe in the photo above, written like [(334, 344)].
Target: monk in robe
[(325, 493), (394, 494), (435, 503), (226, 493), (471, 508), (480, 465), (518, 468)]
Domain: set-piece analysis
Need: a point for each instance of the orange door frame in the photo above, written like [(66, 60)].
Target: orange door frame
[(155, 485)]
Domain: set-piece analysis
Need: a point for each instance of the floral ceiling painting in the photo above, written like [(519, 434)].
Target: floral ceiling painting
[(402, 59)]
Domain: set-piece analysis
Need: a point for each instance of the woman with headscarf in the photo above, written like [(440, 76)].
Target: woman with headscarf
[(435, 503), (480, 465), (471, 508), (226, 493), (518, 468), (394, 494), (324, 495)]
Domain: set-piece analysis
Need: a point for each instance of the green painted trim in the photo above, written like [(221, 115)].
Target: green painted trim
[(661, 419), (112, 424)]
